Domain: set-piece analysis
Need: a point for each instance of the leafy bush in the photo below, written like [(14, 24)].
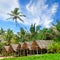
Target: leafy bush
[(54, 47), (1, 47)]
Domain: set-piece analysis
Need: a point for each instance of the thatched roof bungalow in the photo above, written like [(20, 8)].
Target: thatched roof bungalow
[(5, 50), (19, 46), (13, 48), (34, 47), (26, 45), (19, 51), (42, 44)]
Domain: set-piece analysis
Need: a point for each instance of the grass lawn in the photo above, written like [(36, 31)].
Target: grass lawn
[(37, 57)]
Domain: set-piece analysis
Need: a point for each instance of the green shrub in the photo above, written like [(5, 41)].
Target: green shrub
[(54, 47)]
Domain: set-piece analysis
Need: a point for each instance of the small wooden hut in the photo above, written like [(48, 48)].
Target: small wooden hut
[(34, 48), (19, 49), (5, 50), (42, 45), (26, 47), (13, 48)]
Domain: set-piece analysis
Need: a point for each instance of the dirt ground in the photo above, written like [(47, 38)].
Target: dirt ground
[(6, 57)]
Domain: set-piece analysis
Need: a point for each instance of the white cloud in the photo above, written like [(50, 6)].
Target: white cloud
[(43, 11), (31, 21), (54, 8), (34, 21), (6, 6)]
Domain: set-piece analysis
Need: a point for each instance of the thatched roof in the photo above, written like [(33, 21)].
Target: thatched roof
[(26, 45), (21, 43), (6, 48), (14, 46), (19, 46), (43, 44)]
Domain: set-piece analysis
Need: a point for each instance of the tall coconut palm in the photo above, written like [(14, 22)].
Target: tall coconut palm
[(22, 34), (56, 30), (8, 36), (15, 14), (34, 30), (2, 31)]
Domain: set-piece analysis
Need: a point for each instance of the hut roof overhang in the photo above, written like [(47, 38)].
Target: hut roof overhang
[(14, 47), (6, 48), (26, 45), (43, 44)]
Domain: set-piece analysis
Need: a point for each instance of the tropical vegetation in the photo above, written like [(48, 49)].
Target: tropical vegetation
[(35, 33)]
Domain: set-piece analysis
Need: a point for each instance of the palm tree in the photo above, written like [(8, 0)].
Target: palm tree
[(15, 14), (34, 30), (56, 30), (22, 34), (2, 31), (8, 35)]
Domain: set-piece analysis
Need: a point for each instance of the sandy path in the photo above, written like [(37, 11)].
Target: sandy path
[(6, 57)]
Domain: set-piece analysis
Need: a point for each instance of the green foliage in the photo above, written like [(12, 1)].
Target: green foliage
[(15, 14), (2, 31), (1, 45), (8, 36), (54, 47), (32, 28), (15, 39), (58, 26), (35, 33), (22, 34)]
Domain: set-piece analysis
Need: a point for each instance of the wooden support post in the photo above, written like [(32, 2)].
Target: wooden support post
[(33, 51), (41, 51), (30, 52), (17, 53), (20, 52), (37, 50), (27, 51), (24, 52)]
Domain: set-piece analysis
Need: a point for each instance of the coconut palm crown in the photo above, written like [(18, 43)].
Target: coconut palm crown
[(15, 14)]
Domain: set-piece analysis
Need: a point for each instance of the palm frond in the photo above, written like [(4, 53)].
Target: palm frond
[(10, 14), (22, 15), (9, 18), (16, 10), (20, 19), (15, 14)]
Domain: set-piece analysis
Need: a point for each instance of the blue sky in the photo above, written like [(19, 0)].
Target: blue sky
[(41, 12)]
